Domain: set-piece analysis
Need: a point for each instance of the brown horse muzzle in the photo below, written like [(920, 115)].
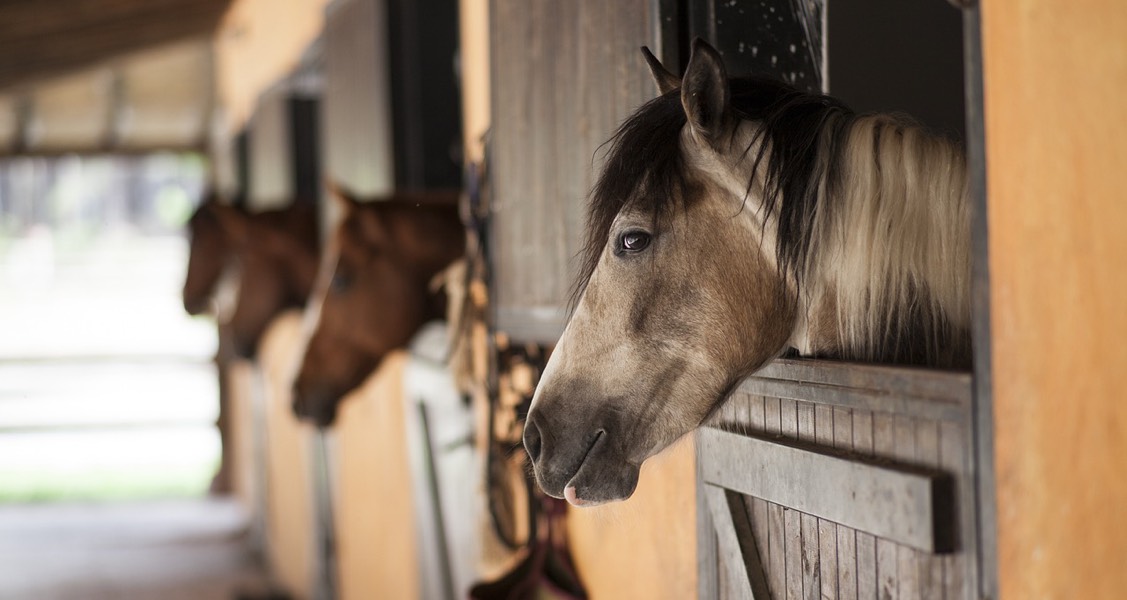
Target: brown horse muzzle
[(315, 403)]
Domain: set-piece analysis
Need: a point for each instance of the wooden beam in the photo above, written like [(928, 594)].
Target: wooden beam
[(48, 39), (902, 504), (742, 557)]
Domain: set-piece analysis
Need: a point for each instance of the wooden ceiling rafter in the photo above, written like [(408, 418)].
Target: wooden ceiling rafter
[(43, 40)]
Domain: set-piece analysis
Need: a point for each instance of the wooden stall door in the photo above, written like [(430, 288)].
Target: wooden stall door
[(836, 480), (565, 75)]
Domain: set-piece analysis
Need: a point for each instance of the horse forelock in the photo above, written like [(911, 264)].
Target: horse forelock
[(817, 167), (796, 147), (643, 166)]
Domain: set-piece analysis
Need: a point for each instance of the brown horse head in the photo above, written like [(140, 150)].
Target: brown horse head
[(375, 291), (277, 254), (208, 253), (735, 218)]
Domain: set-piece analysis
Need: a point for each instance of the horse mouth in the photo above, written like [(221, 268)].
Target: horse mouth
[(601, 476), (318, 406), (569, 488)]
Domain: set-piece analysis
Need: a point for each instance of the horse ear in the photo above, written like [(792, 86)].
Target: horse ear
[(704, 93), (234, 221), (666, 81), (346, 200), (371, 223)]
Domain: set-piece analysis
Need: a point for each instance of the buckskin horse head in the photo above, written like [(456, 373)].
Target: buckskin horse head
[(735, 218)]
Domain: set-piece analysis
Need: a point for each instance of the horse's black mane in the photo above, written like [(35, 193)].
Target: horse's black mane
[(644, 165)]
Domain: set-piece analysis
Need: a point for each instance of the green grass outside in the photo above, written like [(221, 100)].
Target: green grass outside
[(24, 486)]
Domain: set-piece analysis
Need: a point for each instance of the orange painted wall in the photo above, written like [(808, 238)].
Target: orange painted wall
[(290, 517), (644, 547), (375, 522), (1056, 135)]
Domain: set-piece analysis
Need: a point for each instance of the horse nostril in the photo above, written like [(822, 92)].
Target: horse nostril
[(532, 440)]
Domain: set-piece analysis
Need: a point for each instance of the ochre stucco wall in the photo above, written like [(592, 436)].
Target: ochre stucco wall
[(1056, 137)]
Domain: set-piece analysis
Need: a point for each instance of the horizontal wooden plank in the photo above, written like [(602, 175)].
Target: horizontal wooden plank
[(885, 401), (894, 503), (937, 384)]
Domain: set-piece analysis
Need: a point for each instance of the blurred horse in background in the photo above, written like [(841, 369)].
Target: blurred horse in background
[(208, 252), (271, 259), (276, 254), (375, 290)]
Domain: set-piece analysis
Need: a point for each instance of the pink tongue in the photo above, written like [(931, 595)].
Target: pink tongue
[(569, 495)]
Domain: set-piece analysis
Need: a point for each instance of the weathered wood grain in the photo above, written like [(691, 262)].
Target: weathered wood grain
[(846, 536), (889, 502), (564, 76), (884, 446), (907, 558)]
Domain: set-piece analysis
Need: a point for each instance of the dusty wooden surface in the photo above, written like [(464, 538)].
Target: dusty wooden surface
[(1055, 77), (806, 556), (565, 74), (895, 504)]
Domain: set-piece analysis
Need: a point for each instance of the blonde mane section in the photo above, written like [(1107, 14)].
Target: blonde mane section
[(892, 273)]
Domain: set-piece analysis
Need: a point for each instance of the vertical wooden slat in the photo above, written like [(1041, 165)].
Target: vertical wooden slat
[(866, 544), (772, 416), (952, 457), (788, 418), (776, 518), (907, 559), (884, 445), (846, 537), (930, 565), (811, 573), (792, 520), (759, 517), (742, 412), (776, 555), (723, 574), (804, 419), (827, 530)]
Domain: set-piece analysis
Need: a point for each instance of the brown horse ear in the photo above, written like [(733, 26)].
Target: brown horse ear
[(371, 223), (666, 81), (704, 94), (234, 221), (345, 199)]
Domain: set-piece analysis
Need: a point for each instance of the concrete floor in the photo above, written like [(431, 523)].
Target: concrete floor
[(161, 550)]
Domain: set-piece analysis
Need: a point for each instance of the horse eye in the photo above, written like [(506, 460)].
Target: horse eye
[(340, 282), (634, 241)]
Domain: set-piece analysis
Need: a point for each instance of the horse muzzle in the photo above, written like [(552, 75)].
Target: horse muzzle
[(582, 463), (316, 404)]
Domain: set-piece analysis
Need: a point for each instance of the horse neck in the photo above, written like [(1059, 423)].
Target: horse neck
[(890, 254), (301, 271), (434, 237)]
